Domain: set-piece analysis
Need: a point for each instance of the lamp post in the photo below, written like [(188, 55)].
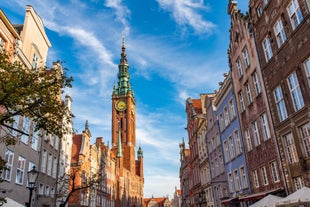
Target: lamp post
[(32, 179)]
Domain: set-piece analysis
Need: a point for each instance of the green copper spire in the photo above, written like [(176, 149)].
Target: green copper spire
[(140, 152), (123, 75), (119, 149)]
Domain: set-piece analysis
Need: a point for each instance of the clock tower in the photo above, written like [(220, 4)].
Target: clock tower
[(123, 115)]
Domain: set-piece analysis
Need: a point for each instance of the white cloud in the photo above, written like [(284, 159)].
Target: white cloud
[(122, 13), (186, 12)]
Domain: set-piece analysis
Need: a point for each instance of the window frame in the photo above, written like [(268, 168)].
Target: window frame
[(239, 67), (248, 139), (256, 135), (248, 93), (264, 176), (246, 57), (274, 172), (290, 148), (295, 91), (279, 32), (9, 158), (294, 13), (20, 169), (304, 133), (267, 48), (241, 101), (257, 84), (280, 103), (265, 126), (255, 178)]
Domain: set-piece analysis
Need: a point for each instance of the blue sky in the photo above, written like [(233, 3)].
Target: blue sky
[(175, 48)]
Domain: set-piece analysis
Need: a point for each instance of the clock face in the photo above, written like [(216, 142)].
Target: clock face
[(120, 105)]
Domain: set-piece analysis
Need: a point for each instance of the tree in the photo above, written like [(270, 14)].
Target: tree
[(68, 185), (34, 93)]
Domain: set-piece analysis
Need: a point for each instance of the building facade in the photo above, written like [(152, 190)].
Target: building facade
[(261, 148), (232, 143), (184, 174), (28, 44), (193, 111), (281, 30), (129, 172), (219, 184)]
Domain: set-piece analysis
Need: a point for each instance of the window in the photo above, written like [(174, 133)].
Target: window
[(248, 92), (52, 140), (264, 175), (14, 125), (295, 91), (307, 68), (242, 106), (44, 159), (239, 68), (244, 182), (47, 190), (2, 44), (9, 158), (259, 10), (246, 57), (279, 32), (294, 13), (222, 124), (237, 180), (232, 108), (34, 140), (299, 183), (56, 142), (255, 134), (255, 179), (267, 49), (226, 116), (282, 113), (248, 139), (256, 83), (232, 148), (26, 129), (230, 182), (54, 167), (265, 126), (41, 189), (274, 172), (49, 164), (35, 61), (226, 152), (290, 148), (237, 142), (20, 170), (304, 131)]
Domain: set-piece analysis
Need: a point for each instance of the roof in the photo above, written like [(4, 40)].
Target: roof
[(160, 201), (197, 105)]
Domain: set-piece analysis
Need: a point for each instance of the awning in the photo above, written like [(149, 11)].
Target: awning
[(12, 203), (229, 200), (257, 196)]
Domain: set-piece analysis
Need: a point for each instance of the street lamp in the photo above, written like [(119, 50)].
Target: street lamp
[(32, 179)]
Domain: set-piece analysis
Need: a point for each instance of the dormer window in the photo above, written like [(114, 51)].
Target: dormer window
[(35, 61), (2, 44)]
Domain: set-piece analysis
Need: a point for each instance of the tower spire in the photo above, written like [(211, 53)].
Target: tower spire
[(123, 60), (123, 76)]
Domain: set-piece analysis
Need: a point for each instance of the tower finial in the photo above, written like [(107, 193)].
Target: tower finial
[(123, 55)]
